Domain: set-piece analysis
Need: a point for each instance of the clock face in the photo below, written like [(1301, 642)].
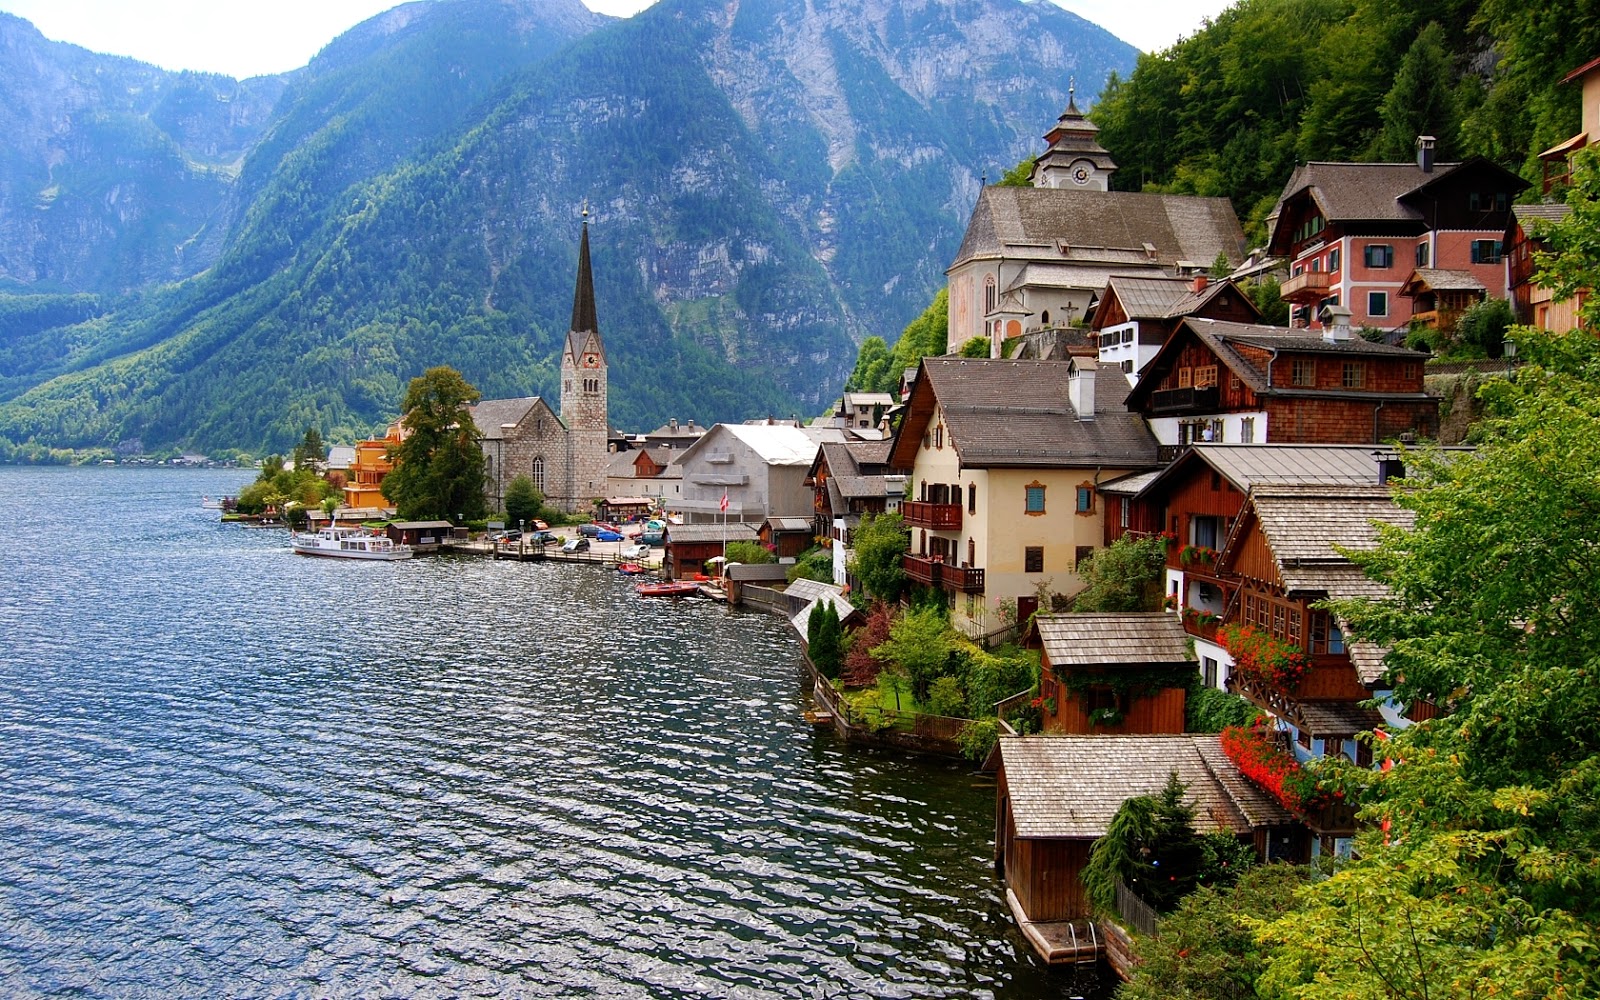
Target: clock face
[(1081, 174), (591, 361)]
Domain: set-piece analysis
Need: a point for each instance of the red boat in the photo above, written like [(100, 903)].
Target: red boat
[(668, 588), (630, 569)]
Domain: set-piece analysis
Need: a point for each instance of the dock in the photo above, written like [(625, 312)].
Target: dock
[(1059, 942)]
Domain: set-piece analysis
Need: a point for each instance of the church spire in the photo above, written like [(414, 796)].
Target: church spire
[(583, 315)]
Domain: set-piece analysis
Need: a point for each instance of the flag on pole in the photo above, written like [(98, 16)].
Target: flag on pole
[(724, 504)]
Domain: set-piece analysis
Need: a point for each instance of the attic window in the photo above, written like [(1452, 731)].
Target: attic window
[(1205, 376)]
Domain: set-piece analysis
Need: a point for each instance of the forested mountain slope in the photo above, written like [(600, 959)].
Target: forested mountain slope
[(768, 181)]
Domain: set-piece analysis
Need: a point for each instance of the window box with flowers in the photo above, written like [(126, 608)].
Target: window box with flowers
[(1260, 661), (1265, 762), (1200, 623), (1201, 554)]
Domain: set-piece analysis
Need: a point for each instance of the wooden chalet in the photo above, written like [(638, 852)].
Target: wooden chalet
[(1282, 555), (1113, 673), (1136, 315), (1057, 795), (1196, 501), (1531, 301), (1439, 297), (787, 536), (1234, 382), (849, 479), (688, 547)]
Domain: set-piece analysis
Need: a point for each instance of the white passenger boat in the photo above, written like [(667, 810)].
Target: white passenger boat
[(348, 543)]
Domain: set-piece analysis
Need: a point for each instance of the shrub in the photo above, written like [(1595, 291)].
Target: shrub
[(1208, 710), (945, 697), (978, 738), (744, 551), (860, 666), (812, 564)]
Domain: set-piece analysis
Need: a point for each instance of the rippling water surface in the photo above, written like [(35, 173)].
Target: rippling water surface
[(226, 770)]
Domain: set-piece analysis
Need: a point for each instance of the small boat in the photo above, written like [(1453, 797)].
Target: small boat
[(348, 543), (207, 503), (630, 568), (668, 588)]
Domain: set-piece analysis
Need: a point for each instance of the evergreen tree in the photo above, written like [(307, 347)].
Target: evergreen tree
[(310, 453), (524, 502), (1420, 102), (438, 467)]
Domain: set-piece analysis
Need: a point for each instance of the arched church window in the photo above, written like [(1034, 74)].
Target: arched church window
[(538, 473)]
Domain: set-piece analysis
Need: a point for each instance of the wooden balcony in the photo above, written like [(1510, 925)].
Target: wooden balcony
[(1306, 288), (937, 573), (938, 516), (1204, 398)]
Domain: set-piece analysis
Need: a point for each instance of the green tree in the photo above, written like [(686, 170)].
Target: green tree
[(744, 551), (1221, 267), (1421, 101), (919, 646), (1151, 846), (1124, 576), (1267, 295), (1019, 176), (1206, 950), (310, 453), (877, 557), (874, 371), (827, 648), (977, 347), (524, 502), (1481, 329), (438, 467)]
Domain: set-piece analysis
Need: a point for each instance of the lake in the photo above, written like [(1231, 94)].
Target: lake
[(229, 771)]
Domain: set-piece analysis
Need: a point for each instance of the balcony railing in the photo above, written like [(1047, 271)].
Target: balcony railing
[(938, 516), (1186, 398), (1306, 287), (937, 573)]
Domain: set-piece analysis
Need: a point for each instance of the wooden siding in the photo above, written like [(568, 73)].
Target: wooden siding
[(1161, 712), (1252, 560), (1044, 876), (1203, 494), (1331, 678)]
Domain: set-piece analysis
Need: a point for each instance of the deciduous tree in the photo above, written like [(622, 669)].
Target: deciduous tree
[(438, 467)]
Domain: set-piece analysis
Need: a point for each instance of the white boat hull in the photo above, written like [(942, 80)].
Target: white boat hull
[(349, 543)]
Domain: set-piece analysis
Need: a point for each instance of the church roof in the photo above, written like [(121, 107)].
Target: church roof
[(584, 321), (492, 415), (1044, 224)]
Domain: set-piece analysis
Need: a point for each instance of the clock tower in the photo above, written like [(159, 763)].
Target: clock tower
[(583, 387), (1075, 159)]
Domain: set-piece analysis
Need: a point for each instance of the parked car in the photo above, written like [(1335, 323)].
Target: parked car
[(636, 552), (544, 538), (576, 545), (588, 530), (608, 536), (506, 536)]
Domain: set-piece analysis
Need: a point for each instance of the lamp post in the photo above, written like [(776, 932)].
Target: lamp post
[(1510, 354)]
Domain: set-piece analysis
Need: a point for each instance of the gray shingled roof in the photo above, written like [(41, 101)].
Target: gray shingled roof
[(1148, 297), (1180, 227), (1302, 523), (1443, 280), (694, 534), (1131, 485), (1075, 275), (789, 523), (1131, 639), (1249, 465), (1366, 192), (1335, 719), (1071, 786), (1017, 413), (810, 590), (490, 414), (802, 618), (1529, 214)]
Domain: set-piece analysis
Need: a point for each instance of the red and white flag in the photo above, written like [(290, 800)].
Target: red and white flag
[(724, 504)]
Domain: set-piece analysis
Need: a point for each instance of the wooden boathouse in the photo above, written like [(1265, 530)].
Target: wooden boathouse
[(1057, 796)]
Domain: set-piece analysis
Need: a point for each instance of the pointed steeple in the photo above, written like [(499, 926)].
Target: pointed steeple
[(583, 317)]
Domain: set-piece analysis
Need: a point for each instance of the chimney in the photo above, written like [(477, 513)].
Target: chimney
[(1425, 153), (673, 423), (1335, 323), (1080, 387), (1199, 284), (691, 423), (1389, 468)]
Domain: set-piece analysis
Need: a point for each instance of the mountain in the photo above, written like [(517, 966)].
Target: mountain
[(768, 181), (113, 171)]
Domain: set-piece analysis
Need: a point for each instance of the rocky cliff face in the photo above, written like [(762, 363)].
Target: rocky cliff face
[(112, 171)]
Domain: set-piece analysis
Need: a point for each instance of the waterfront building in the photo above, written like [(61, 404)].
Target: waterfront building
[(1057, 796), (1006, 458), (1113, 673), (850, 479), (363, 488), (565, 453), (750, 472)]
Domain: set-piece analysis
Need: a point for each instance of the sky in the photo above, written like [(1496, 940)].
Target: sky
[(243, 38)]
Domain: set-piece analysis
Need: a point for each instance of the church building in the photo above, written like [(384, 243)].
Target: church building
[(563, 450), (1035, 259)]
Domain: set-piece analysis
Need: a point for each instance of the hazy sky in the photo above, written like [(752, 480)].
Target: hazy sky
[(243, 38)]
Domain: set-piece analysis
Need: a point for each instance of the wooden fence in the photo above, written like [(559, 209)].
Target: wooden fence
[(1136, 913)]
